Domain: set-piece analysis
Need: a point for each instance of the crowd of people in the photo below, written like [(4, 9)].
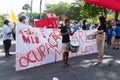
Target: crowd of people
[(105, 32)]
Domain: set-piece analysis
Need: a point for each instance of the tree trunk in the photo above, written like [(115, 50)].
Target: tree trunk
[(40, 9), (31, 18), (116, 16)]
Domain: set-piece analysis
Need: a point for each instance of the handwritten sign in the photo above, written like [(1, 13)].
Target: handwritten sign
[(35, 46)]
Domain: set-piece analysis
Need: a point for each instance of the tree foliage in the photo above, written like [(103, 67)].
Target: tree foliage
[(2, 18), (74, 11), (59, 9), (91, 11), (77, 11), (26, 7)]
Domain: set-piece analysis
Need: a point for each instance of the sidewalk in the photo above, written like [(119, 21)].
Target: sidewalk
[(82, 68)]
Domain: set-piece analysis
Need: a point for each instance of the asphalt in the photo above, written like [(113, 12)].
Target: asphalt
[(82, 68)]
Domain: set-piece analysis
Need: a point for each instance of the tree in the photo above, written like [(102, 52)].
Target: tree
[(59, 9), (74, 11), (2, 18), (21, 14), (27, 8), (116, 16), (90, 11)]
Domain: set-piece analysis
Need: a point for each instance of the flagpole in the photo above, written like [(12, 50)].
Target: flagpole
[(31, 11), (40, 9)]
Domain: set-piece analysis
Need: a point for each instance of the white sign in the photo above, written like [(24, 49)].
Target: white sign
[(35, 47)]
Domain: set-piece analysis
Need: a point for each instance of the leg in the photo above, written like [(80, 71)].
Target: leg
[(9, 46), (98, 44), (119, 43), (100, 47), (64, 48), (108, 41), (67, 56), (6, 48), (64, 59), (6, 52), (114, 43)]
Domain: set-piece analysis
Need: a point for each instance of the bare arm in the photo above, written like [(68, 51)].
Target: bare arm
[(101, 31), (71, 33), (14, 29)]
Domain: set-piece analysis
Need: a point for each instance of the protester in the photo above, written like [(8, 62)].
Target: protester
[(65, 32), (22, 24), (84, 27), (101, 37), (7, 37), (13, 33), (117, 37), (109, 35), (76, 27)]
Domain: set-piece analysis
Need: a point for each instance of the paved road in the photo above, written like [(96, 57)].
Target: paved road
[(82, 68)]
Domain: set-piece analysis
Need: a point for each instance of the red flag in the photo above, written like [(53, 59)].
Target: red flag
[(110, 4), (51, 22)]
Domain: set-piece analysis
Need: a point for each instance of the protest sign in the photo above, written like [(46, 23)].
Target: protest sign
[(35, 46)]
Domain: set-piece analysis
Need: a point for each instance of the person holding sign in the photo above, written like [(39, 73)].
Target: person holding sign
[(65, 32), (100, 38), (22, 23)]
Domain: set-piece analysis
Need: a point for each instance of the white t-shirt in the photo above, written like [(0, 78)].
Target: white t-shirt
[(5, 30)]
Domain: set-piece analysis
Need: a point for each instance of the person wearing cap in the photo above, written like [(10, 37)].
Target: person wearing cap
[(7, 37)]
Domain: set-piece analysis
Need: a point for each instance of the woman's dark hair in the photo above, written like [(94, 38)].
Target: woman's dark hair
[(84, 21), (67, 20), (6, 22), (102, 19), (21, 18)]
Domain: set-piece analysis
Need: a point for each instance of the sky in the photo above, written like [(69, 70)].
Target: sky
[(16, 5)]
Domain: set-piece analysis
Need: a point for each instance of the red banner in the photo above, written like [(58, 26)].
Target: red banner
[(50, 22), (110, 4)]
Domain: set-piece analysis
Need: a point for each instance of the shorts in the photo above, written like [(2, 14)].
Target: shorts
[(65, 47), (7, 44), (117, 37)]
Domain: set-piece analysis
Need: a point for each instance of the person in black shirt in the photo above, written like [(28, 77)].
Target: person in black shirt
[(65, 33), (100, 38), (84, 27)]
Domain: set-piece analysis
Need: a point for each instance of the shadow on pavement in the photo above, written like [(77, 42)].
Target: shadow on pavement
[(82, 68)]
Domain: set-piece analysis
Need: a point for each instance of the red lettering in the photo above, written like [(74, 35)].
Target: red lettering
[(37, 40), (81, 36), (48, 47), (26, 39), (86, 49), (30, 39), (31, 53), (21, 62)]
